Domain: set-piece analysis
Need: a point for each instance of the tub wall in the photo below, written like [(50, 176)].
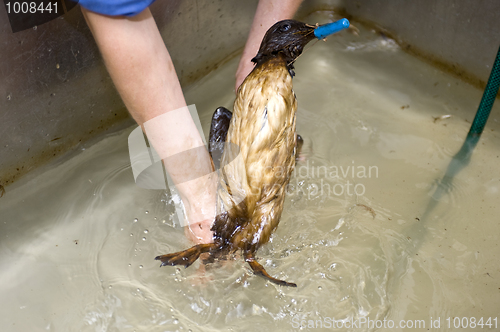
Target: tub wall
[(462, 36), (55, 93)]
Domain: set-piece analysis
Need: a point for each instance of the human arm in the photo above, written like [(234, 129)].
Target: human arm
[(142, 71)]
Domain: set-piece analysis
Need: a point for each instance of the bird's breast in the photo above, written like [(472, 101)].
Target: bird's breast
[(262, 128)]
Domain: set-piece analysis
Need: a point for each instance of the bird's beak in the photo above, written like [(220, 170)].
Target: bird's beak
[(328, 29)]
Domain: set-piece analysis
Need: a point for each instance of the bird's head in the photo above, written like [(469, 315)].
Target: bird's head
[(287, 38)]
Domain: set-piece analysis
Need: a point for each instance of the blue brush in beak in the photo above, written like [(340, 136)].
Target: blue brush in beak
[(325, 30)]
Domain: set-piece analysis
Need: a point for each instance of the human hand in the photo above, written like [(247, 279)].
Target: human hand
[(199, 198), (244, 68)]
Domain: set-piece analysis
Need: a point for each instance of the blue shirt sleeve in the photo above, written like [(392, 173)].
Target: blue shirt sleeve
[(116, 7)]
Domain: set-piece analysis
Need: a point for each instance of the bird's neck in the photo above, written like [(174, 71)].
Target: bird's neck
[(272, 62)]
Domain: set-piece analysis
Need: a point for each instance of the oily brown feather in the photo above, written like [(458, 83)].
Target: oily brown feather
[(259, 152), (263, 127)]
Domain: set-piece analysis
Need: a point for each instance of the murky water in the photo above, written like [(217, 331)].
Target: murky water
[(78, 240)]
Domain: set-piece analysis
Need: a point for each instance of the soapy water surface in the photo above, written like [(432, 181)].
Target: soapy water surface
[(78, 241)]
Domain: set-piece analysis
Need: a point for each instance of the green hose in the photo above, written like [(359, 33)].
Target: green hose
[(462, 158), (490, 93)]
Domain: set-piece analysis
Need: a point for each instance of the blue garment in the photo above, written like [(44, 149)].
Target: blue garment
[(116, 7)]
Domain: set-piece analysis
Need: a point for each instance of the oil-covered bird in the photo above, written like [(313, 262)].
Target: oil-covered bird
[(257, 147)]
